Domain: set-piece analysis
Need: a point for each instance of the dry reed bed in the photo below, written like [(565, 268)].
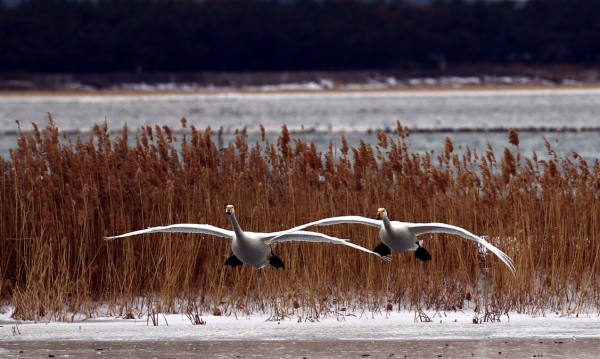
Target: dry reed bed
[(59, 200)]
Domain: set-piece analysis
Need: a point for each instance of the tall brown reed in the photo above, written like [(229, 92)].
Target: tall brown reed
[(59, 200)]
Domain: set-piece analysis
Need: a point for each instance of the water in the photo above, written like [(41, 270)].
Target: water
[(470, 348), (468, 118)]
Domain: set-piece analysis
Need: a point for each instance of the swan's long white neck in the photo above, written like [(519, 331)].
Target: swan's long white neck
[(386, 222), (236, 226)]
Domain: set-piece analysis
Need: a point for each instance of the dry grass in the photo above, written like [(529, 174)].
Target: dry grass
[(58, 201)]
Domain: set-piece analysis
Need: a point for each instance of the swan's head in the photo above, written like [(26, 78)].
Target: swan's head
[(229, 209), (381, 212)]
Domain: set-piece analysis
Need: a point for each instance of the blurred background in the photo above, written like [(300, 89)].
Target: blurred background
[(199, 50), (183, 37)]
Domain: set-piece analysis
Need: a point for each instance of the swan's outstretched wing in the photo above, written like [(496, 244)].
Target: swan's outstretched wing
[(180, 228), (306, 236), (333, 220), (419, 228)]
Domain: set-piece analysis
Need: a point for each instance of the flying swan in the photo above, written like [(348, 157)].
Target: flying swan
[(402, 236), (248, 247)]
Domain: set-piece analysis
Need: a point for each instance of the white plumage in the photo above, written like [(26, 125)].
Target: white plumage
[(402, 236), (247, 247)]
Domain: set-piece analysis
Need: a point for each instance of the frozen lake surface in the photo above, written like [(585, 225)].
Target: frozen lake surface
[(321, 111), (401, 348), (468, 117), (449, 334)]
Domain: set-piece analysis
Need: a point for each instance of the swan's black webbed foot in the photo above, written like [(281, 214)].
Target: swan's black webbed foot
[(275, 261), (422, 253), (233, 261), (383, 250)]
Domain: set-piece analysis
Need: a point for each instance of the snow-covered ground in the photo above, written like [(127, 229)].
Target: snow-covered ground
[(357, 326), (358, 335)]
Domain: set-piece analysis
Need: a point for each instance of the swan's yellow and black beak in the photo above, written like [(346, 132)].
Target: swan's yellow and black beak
[(379, 213), (229, 210)]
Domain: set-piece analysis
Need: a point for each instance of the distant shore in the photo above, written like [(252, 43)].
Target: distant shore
[(483, 77), (242, 90)]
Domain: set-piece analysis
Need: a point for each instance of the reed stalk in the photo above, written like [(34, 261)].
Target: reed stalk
[(59, 199)]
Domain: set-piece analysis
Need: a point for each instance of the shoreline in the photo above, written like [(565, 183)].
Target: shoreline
[(253, 91)]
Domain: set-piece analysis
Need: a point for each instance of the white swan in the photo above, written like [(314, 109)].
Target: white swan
[(402, 236), (248, 247)]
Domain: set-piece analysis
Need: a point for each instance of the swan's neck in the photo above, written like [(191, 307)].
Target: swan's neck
[(236, 226), (386, 223)]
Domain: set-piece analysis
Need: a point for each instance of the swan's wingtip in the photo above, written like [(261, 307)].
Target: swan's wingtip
[(108, 239), (509, 263)]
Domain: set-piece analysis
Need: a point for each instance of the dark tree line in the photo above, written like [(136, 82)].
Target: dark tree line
[(246, 35)]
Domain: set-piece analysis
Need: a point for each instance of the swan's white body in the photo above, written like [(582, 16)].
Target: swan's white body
[(249, 247), (402, 236)]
